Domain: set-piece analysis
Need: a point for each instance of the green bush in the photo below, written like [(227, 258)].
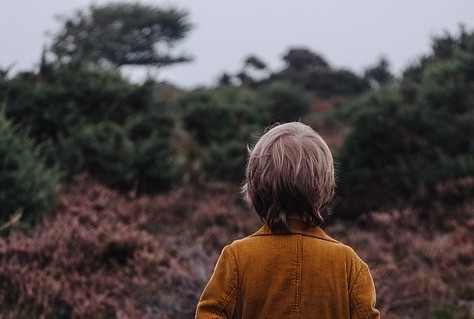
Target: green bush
[(226, 162), (216, 116), (26, 184), (222, 122), (105, 152), (135, 156), (327, 83), (283, 102), (207, 119), (92, 119), (406, 147), (382, 158), (62, 97), (154, 163)]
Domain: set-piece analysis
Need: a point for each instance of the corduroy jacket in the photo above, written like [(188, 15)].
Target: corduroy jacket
[(304, 274)]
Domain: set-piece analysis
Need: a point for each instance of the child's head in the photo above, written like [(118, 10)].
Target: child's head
[(290, 173)]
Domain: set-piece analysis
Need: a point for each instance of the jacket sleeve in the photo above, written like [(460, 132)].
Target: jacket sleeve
[(362, 296), (218, 299)]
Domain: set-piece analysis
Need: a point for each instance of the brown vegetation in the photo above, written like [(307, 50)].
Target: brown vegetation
[(106, 255)]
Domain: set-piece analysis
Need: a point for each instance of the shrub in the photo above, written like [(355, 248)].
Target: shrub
[(26, 184), (283, 102), (155, 165), (63, 97), (216, 116), (226, 162), (207, 119), (327, 83), (105, 152), (381, 160), (221, 122), (403, 147)]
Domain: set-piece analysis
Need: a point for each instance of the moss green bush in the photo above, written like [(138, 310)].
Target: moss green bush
[(404, 147), (27, 185)]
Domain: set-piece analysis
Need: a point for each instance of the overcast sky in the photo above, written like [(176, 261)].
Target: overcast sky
[(350, 34)]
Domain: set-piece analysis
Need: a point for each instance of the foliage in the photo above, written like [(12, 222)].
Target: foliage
[(27, 185), (444, 48), (226, 162), (338, 82), (382, 157), (283, 102), (207, 117), (62, 97), (107, 255), (379, 74), (105, 152), (222, 122), (310, 71), (137, 156), (300, 59), (155, 165), (419, 270), (122, 34), (93, 120), (401, 149)]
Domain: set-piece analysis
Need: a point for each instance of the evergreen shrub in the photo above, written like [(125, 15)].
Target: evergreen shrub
[(27, 185), (408, 142)]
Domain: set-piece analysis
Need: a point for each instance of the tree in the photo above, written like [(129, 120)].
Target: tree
[(301, 58), (379, 74), (122, 34), (313, 73)]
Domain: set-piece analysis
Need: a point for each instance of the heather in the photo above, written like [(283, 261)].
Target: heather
[(107, 255), (103, 254)]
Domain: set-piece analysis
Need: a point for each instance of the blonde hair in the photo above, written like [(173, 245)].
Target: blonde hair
[(290, 172)]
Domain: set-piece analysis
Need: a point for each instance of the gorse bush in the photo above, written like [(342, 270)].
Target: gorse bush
[(283, 102), (216, 116), (226, 162), (222, 122), (403, 145), (105, 152), (27, 185), (155, 164), (92, 120), (63, 97), (136, 156)]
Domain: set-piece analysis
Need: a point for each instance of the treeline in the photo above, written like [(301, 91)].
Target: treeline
[(395, 140)]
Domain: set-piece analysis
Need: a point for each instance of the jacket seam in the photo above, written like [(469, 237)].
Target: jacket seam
[(237, 284), (357, 303), (232, 289), (299, 262)]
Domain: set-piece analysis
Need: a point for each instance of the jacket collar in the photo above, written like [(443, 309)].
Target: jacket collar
[(297, 227)]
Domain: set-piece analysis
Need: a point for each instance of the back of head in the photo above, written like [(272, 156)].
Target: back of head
[(290, 174)]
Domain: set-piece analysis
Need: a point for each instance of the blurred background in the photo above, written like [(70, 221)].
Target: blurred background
[(124, 131)]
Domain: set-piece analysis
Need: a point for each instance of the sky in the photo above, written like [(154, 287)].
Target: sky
[(349, 34)]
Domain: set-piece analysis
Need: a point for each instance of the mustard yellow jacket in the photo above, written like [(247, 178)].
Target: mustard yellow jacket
[(305, 274)]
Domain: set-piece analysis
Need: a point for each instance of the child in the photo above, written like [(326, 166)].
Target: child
[(289, 268)]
